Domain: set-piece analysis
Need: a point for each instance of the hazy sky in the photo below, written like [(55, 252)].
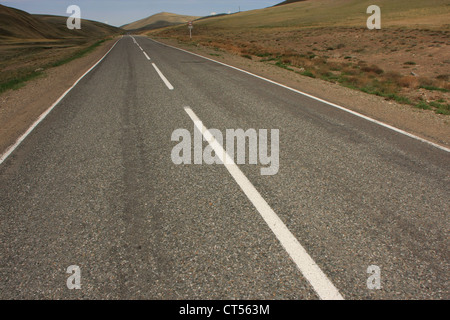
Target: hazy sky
[(120, 12)]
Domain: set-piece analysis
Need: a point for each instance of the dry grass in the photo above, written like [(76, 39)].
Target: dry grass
[(22, 58), (407, 60), (408, 82)]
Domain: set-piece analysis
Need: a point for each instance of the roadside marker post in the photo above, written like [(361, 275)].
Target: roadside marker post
[(190, 26)]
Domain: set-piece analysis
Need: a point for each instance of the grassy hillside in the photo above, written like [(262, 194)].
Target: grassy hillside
[(89, 29), (323, 13), (407, 60), (29, 44), (159, 20), (16, 24)]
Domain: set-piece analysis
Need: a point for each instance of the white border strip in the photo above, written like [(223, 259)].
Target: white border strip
[(318, 99), (310, 270), (10, 150)]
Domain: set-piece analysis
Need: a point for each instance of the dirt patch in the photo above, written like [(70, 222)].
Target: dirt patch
[(424, 123), (20, 108)]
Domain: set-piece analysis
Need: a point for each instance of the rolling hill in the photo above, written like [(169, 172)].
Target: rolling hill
[(88, 28), (17, 24), (406, 61), (322, 13), (30, 44), (159, 20)]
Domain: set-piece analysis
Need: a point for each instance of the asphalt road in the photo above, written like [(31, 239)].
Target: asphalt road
[(94, 185)]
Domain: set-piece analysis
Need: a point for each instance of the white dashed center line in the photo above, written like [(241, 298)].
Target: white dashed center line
[(163, 77), (168, 84), (310, 270)]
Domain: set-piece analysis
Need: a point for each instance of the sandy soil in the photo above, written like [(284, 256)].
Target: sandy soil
[(423, 123), (20, 108)]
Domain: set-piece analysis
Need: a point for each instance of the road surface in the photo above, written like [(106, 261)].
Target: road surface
[(94, 185)]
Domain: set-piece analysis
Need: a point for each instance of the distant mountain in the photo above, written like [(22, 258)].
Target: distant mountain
[(18, 24), (159, 20)]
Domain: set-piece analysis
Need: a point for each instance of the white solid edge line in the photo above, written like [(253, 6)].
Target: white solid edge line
[(163, 77), (8, 151), (318, 99), (310, 270), (146, 55)]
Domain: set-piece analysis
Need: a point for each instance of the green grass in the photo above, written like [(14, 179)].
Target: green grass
[(441, 108), (284, 66), (330, 77), (78, 54), (386, 88), (20, 80), (399, 99), (423, 105), (433, 88), (308, 74)]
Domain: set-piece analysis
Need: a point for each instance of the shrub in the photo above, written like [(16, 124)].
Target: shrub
[(409, 82), (423, 105), (433, 88), (308, 74), (373, 68), (444, 77)]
